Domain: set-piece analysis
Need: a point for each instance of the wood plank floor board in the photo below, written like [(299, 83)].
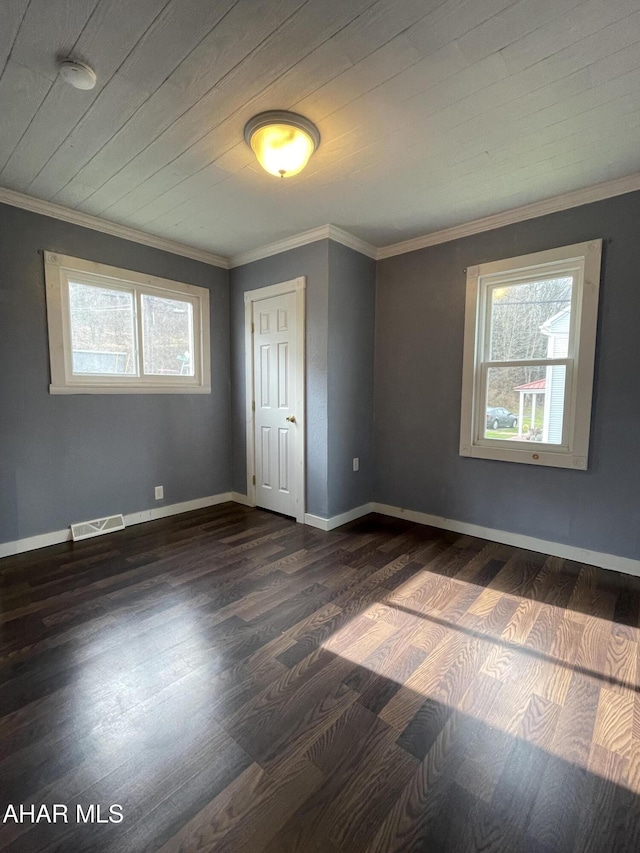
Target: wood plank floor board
[(252, 809), (626, 613), (369, 774), (381, 674), (140, 766), (622, 662), (490, 553), (500, 616), (424, 680), (487, 573), (241, 682), (543, 630), (412, 819), (555, 817), (356, 724), (559, 593), (423, 729), (480, 771), (452, 827), (517, 787)]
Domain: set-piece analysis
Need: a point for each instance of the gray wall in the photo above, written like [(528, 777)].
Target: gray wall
[(350, 377), (418, 376), (310, 261), (69, 458)]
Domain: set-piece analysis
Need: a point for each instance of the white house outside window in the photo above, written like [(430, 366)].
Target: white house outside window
[(530, 329), (118, 331)]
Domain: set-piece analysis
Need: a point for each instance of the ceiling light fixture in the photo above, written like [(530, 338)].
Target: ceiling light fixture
[(77, 74), (282, 141)]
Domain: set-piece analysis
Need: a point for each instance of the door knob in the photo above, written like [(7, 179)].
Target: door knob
[(292, 419)]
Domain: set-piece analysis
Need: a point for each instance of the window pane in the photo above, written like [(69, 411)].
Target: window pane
[(102, 330), (530, 320), (525, 403), (168, 336)]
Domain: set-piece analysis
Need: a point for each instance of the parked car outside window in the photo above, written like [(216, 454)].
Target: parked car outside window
[(498, 417)]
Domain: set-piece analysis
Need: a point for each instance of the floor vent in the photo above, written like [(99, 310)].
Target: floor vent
[(86, 529)]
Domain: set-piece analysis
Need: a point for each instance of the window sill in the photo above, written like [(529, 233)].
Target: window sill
[(129, 389), (533, 456)]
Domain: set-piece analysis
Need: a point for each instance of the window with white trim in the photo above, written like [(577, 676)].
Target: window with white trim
[(115, 331), (530, 335)]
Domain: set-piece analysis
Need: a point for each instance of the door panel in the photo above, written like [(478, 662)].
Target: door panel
[(283, 375), (275, 377), (265, 352), (283, 458), (265, 467)]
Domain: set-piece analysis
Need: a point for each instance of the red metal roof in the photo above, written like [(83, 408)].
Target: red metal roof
[(537, 385)]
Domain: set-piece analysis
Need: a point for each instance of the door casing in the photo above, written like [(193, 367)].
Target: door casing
[(298, 287)]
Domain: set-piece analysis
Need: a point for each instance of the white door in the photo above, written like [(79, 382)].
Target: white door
[(277, 420)]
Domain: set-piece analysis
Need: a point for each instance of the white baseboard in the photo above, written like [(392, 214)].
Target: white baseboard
[(175, 509), (8, 549), (316, 521), (337, 520), (518, 540), (31, 543), (239, 498)]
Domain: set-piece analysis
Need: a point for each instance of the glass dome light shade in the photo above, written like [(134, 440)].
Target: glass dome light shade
[(282, 142)]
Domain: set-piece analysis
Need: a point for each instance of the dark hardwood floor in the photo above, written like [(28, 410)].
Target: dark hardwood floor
[(237, 682)]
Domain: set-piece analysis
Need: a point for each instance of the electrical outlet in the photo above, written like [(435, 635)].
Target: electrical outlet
[(159, 492), (356, 463)]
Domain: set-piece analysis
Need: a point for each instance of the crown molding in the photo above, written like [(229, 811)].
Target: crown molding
[(324, 232), (576, 198), (302, 239), (339, 235), (76, 217)]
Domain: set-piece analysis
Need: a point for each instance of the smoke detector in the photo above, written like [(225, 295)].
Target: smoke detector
[(77, 74)]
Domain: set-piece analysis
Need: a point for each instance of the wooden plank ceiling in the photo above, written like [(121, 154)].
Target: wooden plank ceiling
[(432, 112)]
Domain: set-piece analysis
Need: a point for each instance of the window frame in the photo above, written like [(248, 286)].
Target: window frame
[(59, 269), (583, 262)]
